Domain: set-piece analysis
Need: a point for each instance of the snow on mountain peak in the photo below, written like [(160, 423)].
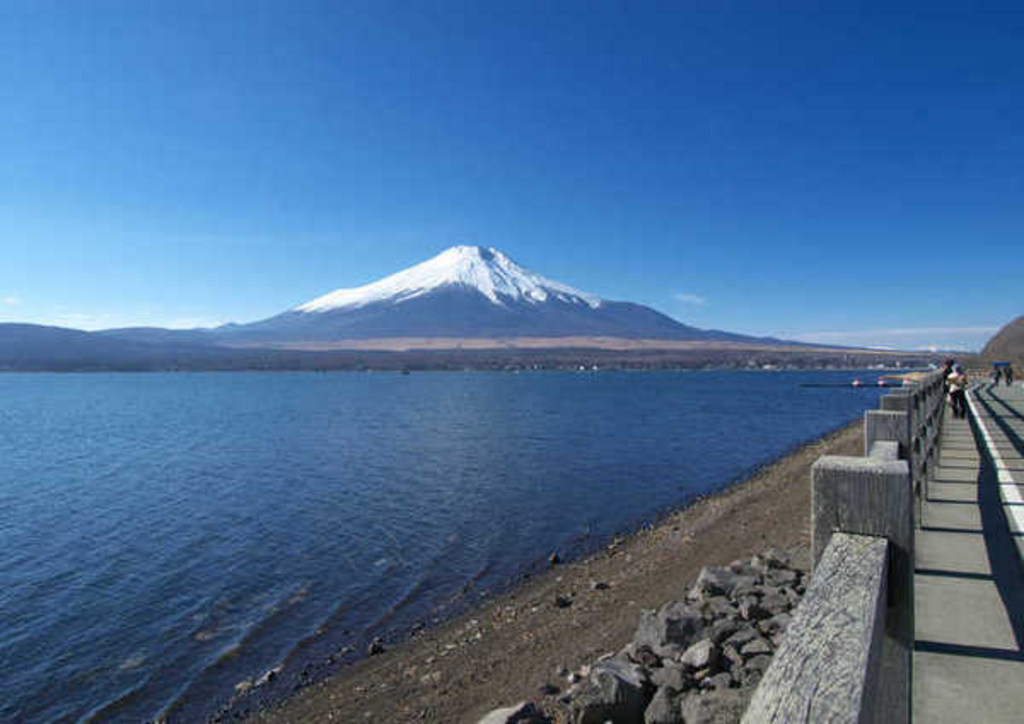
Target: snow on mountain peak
[(482, 268)]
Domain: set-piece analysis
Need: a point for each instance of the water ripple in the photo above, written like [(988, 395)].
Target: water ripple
[(164, 537)]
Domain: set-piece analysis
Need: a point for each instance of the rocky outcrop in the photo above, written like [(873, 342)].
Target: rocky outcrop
[(694, 660)]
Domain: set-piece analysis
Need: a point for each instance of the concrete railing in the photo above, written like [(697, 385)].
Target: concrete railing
[(847, 656), (911, 416), (828, 667)]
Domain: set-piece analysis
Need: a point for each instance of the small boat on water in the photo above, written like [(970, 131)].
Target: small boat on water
[(880, 382), (857, 382)]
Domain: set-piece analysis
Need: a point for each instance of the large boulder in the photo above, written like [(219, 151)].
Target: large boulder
[(722, 629), (731, 658), (702, 655), (781, 577), (522, 713), (719, 707), (743, 635), (756, 647), (670, 629), (614, 691), (751, 609), (673, 676), (664, 708), (770, 559), (758, 664), (719, 582), (645, 657), (776, 624), (718, 607)]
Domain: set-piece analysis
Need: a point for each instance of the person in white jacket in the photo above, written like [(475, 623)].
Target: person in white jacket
[(957, 380)]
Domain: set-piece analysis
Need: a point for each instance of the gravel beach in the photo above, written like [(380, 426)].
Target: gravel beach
[(518, 645)]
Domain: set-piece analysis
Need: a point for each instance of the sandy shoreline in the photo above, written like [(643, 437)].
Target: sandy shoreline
[(509, 647)]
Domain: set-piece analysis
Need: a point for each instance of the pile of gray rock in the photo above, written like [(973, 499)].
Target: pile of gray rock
[(692, 661)]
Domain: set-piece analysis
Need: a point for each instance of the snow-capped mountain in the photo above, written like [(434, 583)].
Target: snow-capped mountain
[(486, 270), (463, 292)]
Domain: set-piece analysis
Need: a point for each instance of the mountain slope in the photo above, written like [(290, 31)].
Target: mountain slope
[(464, 292), (1008, 343), (159, 335), (32, 346)]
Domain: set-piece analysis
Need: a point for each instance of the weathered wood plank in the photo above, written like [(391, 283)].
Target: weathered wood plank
[(828, 665)]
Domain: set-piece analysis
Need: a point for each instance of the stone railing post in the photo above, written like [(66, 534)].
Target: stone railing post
[(888, 426), (902, 402), (873, 496)]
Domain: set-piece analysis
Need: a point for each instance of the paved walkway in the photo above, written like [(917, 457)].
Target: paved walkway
[(969, 576)]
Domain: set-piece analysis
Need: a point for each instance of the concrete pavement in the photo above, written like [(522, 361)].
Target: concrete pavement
[(969, 569)]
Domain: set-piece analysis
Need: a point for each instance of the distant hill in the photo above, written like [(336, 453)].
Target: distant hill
[(159, 335), (32, 346), (1007, 344)]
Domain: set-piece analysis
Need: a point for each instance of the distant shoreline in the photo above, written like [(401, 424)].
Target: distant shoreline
[(888, 372), (547, 344), (33, 348), (508, 360)]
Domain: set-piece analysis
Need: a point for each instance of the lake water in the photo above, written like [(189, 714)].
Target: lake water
[(166, 536)]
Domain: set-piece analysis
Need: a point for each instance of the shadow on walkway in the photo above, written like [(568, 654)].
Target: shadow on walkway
[(969, 583)]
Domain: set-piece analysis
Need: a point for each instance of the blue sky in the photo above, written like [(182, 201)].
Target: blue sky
[(853, 174)]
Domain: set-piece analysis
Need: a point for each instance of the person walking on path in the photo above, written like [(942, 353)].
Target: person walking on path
[(947, 370), (957, 382), (1008, 375)]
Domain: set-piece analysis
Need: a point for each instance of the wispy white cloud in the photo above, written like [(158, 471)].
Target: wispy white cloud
[(77, 321), (891, 332), (930, 338), (191, 323), (12, 300), (107, 320), (691, 299), (948, 348)]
